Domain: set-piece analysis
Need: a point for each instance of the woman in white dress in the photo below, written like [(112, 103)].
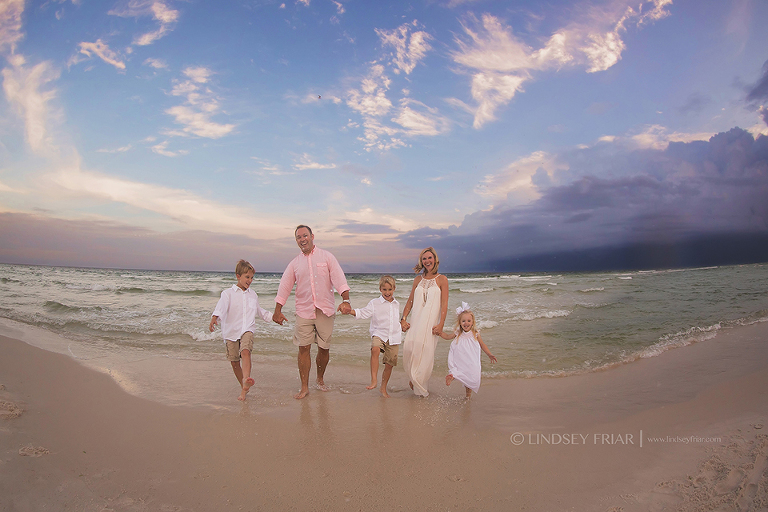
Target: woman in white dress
[(429, 304)]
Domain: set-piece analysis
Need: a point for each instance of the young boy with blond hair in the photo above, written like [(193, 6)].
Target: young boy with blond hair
[(236, 311), (386, 334)]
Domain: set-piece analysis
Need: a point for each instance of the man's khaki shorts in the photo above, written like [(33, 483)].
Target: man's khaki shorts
[(313, 330), (235, 347), (389, 351)]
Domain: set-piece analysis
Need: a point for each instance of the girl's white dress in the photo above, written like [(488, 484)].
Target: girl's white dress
[(419, 344), (464, 360)]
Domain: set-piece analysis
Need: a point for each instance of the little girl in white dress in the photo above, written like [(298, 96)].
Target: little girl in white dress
[(464, 355)]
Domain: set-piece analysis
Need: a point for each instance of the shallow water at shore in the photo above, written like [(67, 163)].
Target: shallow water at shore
[(536, 324)]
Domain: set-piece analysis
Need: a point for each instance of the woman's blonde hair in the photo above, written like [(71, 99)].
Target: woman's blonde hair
[(420, 268), (458, 328)]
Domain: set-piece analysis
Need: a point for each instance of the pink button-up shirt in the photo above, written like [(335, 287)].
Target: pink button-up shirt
[(315, 275)]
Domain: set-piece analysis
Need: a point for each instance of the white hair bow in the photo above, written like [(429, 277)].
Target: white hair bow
[(464, 307)]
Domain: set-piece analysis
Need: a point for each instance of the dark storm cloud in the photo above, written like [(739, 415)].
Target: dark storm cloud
[(759, 91), (702, 202)]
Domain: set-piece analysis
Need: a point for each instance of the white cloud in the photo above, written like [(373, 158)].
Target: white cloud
[(181, 206), (500, 63), (516, 179), (371, 98), (305, 3), (159, 11), (122, 149), (25, 89), (658, 137), (10, 24), (156, 63), (413, 117), (339, 7), (306, 162), (160, 149), (410, 47), (200, 106), (491, 90), (418, 119), (102, 51)]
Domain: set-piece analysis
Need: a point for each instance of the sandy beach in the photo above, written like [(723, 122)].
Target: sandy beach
[(682, 431)]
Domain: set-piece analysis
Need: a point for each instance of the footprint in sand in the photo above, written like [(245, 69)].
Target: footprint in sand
[(9, 410), (33, 451)]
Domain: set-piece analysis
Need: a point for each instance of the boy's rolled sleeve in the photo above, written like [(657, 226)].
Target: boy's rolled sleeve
[(366, 312), (222, 306), (264, 314)]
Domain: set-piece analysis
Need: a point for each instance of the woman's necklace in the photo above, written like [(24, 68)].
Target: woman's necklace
[(427, 285)]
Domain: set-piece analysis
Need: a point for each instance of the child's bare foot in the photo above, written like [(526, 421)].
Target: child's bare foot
[(321, 385), (301, 394), (247, 383), (448, 379), (384, 392), (469, 393), (373, 384), (242, 395)]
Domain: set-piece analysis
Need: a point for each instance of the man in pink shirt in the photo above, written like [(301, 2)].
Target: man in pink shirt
[(315, 273)]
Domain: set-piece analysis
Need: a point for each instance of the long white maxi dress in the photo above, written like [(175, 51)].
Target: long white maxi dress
[(464, 360), (419, 344)]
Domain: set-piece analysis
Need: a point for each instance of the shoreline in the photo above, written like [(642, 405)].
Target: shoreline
[(354, 450)]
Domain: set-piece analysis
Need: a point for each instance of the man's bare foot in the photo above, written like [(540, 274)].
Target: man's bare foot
[(242, 395), (448, 379), (321, 386), (384, 392), (301, 394), (372, 385), (247, 383)]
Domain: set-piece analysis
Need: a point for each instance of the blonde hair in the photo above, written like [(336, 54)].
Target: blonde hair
[(387, 279), (458, 328), (243, 267), (420, 268)]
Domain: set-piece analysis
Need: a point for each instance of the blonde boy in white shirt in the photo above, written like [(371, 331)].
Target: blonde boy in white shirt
[(386, 333), (237, 309)]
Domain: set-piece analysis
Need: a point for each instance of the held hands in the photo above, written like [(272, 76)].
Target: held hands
[(345, 308), (279, 318), (437, 330), (404, 325)]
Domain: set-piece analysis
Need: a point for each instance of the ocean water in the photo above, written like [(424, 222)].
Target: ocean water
[(551, 324)]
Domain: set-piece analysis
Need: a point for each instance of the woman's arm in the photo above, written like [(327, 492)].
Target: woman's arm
[(442, 282), (409, 305)]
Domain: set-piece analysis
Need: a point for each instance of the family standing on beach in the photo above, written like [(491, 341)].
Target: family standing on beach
[(316, 274)]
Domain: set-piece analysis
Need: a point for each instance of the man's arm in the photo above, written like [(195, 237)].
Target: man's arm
[(283, 291), (339, 282)]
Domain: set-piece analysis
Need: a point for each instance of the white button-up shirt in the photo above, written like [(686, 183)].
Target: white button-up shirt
[(385, 319), (237, 310)]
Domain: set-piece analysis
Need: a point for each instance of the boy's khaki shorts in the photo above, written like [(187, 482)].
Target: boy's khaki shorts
[(389, 351), (235, 347), (313, 330)]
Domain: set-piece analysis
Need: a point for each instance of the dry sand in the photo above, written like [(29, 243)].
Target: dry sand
[(72, 439)]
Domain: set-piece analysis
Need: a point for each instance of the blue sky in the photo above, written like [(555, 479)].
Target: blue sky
[(189, 134)]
